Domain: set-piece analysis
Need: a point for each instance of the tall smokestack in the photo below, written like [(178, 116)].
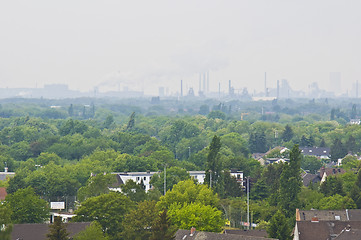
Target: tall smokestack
[(219, 90), (204, 82), (357, 89), (181, 88), (265, 84), (278, 89), (208, 81), (229, 87), (200, 83)]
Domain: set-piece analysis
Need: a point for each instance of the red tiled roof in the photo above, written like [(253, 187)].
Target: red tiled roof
[(2, 193)]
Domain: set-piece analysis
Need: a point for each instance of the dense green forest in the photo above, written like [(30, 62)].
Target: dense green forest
[(55, 145)]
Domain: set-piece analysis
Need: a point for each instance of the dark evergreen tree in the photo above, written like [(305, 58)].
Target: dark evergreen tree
[(259, 190), (290, 183), (355, 194), (214, 165), (71, 110), (162, 228), (287, 134), (278, 227), (311, 141), (351, 144), (322, 143), (304, 141), (57, 230), (131, 122), (337, 150), (332, 117), (353, 111)]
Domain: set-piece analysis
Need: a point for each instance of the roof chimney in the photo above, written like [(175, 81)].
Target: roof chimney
[(193, 230), (298, 218)]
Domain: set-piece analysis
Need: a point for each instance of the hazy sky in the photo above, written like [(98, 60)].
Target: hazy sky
[(143, 44)]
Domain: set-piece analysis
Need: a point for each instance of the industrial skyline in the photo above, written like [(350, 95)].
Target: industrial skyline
[(114, 45)]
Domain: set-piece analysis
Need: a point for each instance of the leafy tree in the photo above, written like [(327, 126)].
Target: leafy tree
[(162, 228), (173, 176), (217, 114), (311, 163), (336, 202), (96, 186), (202, 217), (287, 134), (57, 230), (134, 191), (92, 232), (333, 185), (188, 192), (278, 227), (290, 183), (27, 207), (109, 121), (204, 109), (107, 209), (5, 222), (138, 223)]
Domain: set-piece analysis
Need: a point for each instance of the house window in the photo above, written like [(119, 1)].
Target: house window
[(145, 178), (238, 176), (137, 178)]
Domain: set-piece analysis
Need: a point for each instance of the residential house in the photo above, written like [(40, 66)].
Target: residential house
[(355, 121), (6, 174), (327, 224), (326, 172), (38, 231), (308, 178), (145, 177), (319, 152), (199, 235)]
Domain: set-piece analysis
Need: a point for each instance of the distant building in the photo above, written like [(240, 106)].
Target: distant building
[(145, 177), (319, 152)]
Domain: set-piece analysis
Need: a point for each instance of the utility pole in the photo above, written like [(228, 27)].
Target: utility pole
[(165, 179), (248, 202), (210, 178)]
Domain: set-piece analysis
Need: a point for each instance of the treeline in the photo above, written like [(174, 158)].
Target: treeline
[(55, 157)]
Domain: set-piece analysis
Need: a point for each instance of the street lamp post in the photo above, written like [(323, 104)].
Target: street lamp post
[(248, 203)]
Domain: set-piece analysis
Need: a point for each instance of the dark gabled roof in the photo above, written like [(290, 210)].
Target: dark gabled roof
[(254, 233), (307, 178), (214, 236), (315, 151), (329, 215), (33, 231), (349, 234), (324, 229)]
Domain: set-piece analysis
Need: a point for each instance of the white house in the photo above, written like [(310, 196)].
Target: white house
[(145, 177)]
